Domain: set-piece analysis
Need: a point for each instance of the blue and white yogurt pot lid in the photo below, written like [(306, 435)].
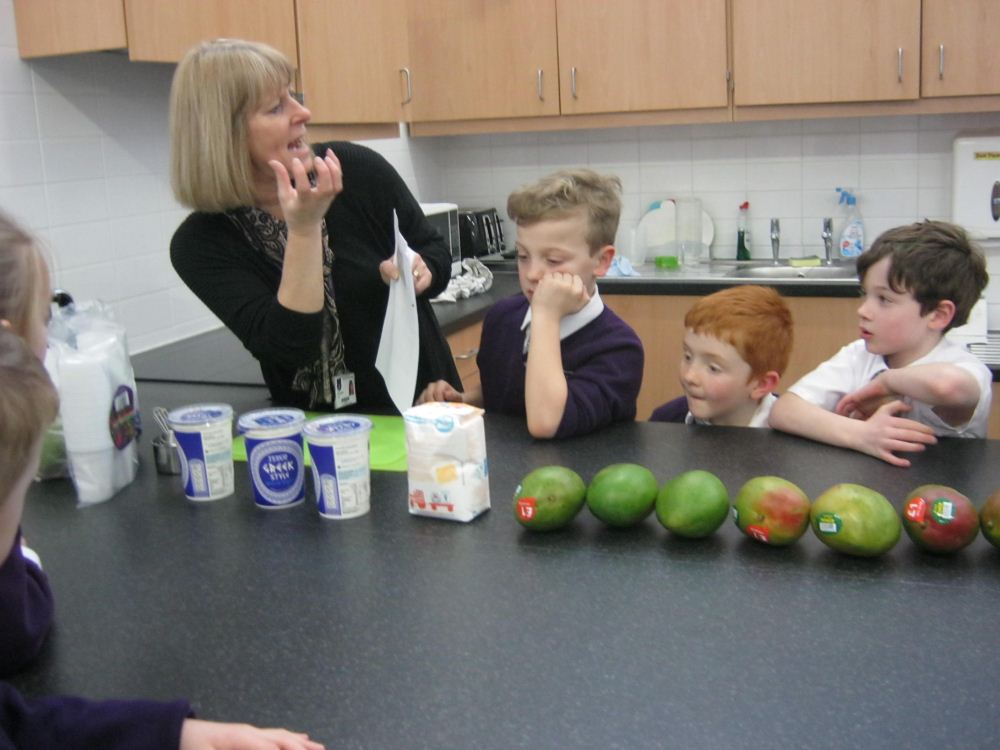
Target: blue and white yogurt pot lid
[(337, 425), (199, 414), (277, 419)]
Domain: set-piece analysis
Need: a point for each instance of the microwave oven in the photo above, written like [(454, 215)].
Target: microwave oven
[(444, 218)]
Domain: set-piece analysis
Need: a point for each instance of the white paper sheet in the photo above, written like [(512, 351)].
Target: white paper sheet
[(399, 345)]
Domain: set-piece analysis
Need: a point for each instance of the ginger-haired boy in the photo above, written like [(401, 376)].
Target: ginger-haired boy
[(555, 353), (736, 346), (902, 383)]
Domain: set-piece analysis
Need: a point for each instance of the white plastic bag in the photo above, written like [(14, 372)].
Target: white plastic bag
[(99, 406)]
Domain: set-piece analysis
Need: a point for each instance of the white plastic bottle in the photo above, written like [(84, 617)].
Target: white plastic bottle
[(852, 236)]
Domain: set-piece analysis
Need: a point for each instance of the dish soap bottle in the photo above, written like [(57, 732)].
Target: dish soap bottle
[(743, 233), (852, 236)]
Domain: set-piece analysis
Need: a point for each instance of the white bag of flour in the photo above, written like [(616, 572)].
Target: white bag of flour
[(446, 457)]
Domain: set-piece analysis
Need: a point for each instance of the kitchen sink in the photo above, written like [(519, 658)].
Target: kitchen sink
[(795, 272)]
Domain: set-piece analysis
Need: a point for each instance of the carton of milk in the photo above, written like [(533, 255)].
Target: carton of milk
[(446, 458)]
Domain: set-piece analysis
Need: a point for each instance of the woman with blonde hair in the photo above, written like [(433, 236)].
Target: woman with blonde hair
[(289, 245)]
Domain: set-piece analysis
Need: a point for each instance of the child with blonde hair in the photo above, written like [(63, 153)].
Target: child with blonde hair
[(26, 606), (28, 404), (556, 354)]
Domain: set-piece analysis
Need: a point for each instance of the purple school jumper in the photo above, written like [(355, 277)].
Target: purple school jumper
[(62, 722), (675, 410), (66, 723), (25, 610), (602, 362)]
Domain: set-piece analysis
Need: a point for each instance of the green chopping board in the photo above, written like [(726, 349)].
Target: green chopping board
[(387, 446)]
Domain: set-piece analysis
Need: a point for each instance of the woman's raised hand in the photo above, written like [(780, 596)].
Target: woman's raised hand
[(304, 204)]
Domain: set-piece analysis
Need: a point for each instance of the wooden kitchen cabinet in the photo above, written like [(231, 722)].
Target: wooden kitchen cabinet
[(816, 51), (960, 54), (464, 345), (160, 31), (473, 59), (634, 55), (822, 326), (61, 27), (353, 56), (506, 59)]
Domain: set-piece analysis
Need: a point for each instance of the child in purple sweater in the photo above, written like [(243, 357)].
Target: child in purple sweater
[(28, 404), (556, 354)]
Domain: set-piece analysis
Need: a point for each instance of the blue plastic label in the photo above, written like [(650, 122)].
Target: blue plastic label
[(338, 426), (276, 470), (198, 416), (324, 465), (269, 419), (193, 472)]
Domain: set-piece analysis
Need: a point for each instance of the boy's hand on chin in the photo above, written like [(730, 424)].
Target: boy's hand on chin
[(560, 294)]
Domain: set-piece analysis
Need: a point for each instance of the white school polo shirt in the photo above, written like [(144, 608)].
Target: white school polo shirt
[(854, 366)]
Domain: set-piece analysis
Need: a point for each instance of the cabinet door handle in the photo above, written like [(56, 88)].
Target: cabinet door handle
[(572, 82), (899, 64), (468, 355), (409, 85), (941, 61), (539, 87)]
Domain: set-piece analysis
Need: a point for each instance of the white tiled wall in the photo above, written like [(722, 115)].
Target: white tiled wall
[(84, 165), (900, 168), (84, 151)]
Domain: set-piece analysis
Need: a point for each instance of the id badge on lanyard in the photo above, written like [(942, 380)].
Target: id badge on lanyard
[(343, 390)]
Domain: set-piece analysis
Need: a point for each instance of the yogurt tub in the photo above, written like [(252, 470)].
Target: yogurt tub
[(275, 456), (338, 445), (205, 439)]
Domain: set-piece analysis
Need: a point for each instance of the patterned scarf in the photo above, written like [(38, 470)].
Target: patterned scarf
[(268, 235)]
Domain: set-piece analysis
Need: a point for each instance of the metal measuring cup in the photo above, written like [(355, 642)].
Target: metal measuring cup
[(165, 449)]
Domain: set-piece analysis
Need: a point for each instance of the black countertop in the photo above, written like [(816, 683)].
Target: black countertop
[(391, 631), (217, 356), (699, 280)]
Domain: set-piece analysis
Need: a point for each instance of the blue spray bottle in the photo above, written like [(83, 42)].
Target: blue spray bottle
[(852, 233)]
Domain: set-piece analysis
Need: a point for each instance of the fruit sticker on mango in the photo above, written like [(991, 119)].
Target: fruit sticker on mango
[(829, 523), (916, 509), (943, 511), (526, 508)]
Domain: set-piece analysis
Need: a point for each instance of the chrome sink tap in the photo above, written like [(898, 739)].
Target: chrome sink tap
[(775, 240), (827, 235)]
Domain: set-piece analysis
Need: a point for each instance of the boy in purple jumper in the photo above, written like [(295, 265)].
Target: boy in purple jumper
[(555, 353)]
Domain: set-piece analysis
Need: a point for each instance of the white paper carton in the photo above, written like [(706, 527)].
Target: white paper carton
[(446, 457)]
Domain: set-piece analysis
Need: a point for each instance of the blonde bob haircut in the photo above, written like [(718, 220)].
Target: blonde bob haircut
[(216, 87), (566, 192)]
